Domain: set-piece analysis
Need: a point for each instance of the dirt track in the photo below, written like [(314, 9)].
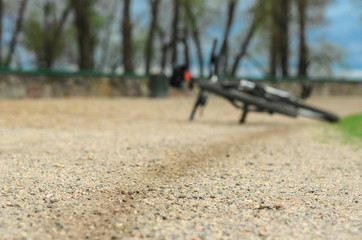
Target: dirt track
[(101, 169)]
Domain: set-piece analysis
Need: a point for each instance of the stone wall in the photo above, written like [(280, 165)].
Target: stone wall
[(22, 86), (34, 86)]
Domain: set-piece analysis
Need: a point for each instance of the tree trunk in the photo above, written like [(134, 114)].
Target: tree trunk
[(53, 30), (1, 31), (200, 58), (17, 30), (195, 36), (225, 44), (246, 42), (164, 48), (186, 47), (127, 37), (303, 54), (61, 23), (60, 26), (175, 31), (154, 4), (274, 38), (284, 36), (108, 34), (85, 39), (46, 62)]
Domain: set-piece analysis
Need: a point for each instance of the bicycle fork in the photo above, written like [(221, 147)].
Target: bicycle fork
[(200, 101), (244, 113)]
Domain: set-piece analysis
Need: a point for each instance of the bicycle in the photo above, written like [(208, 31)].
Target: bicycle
[(250, 96)]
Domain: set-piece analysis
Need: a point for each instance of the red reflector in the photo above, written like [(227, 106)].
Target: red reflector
[(187, 75)]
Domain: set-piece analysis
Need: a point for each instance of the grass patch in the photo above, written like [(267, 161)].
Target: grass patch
[(348, 131), (351, 129), (352, 125)]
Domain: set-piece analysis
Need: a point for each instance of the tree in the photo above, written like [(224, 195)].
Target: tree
[(45, 38), (186, 47), (274, 34), (309, 12), (303, 54), (175, 31), (323, 57), (127, 37), (192, 21), (258, 13), (279, 38), (17, 30), (284, 36), (1, 30), (83, 10), (224, 55), (154, 5), (108, 10)]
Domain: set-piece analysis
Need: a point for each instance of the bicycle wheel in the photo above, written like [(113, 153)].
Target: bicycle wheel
[(315, 113), (307, 110), (247, 98), (277, 95)]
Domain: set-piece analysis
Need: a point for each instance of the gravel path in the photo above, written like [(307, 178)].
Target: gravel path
[(136, 168)]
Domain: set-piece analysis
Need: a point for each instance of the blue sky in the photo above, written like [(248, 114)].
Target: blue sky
[(343, 29)]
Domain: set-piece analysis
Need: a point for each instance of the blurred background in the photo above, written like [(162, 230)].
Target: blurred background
[(256, 38)]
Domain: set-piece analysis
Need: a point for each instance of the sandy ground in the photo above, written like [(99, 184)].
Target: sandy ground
[(137, 168)]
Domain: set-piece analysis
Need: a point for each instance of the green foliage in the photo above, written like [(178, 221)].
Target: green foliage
[(33, 34), (352, 125), (35, 37), (203, 13), (197, 6), (97, 21)]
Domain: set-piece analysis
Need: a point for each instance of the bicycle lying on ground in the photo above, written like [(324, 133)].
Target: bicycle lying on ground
[(250, 96)]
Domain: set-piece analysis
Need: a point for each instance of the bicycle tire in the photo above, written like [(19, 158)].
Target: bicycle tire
[(315, 113), (234, 94), (306, 110)]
